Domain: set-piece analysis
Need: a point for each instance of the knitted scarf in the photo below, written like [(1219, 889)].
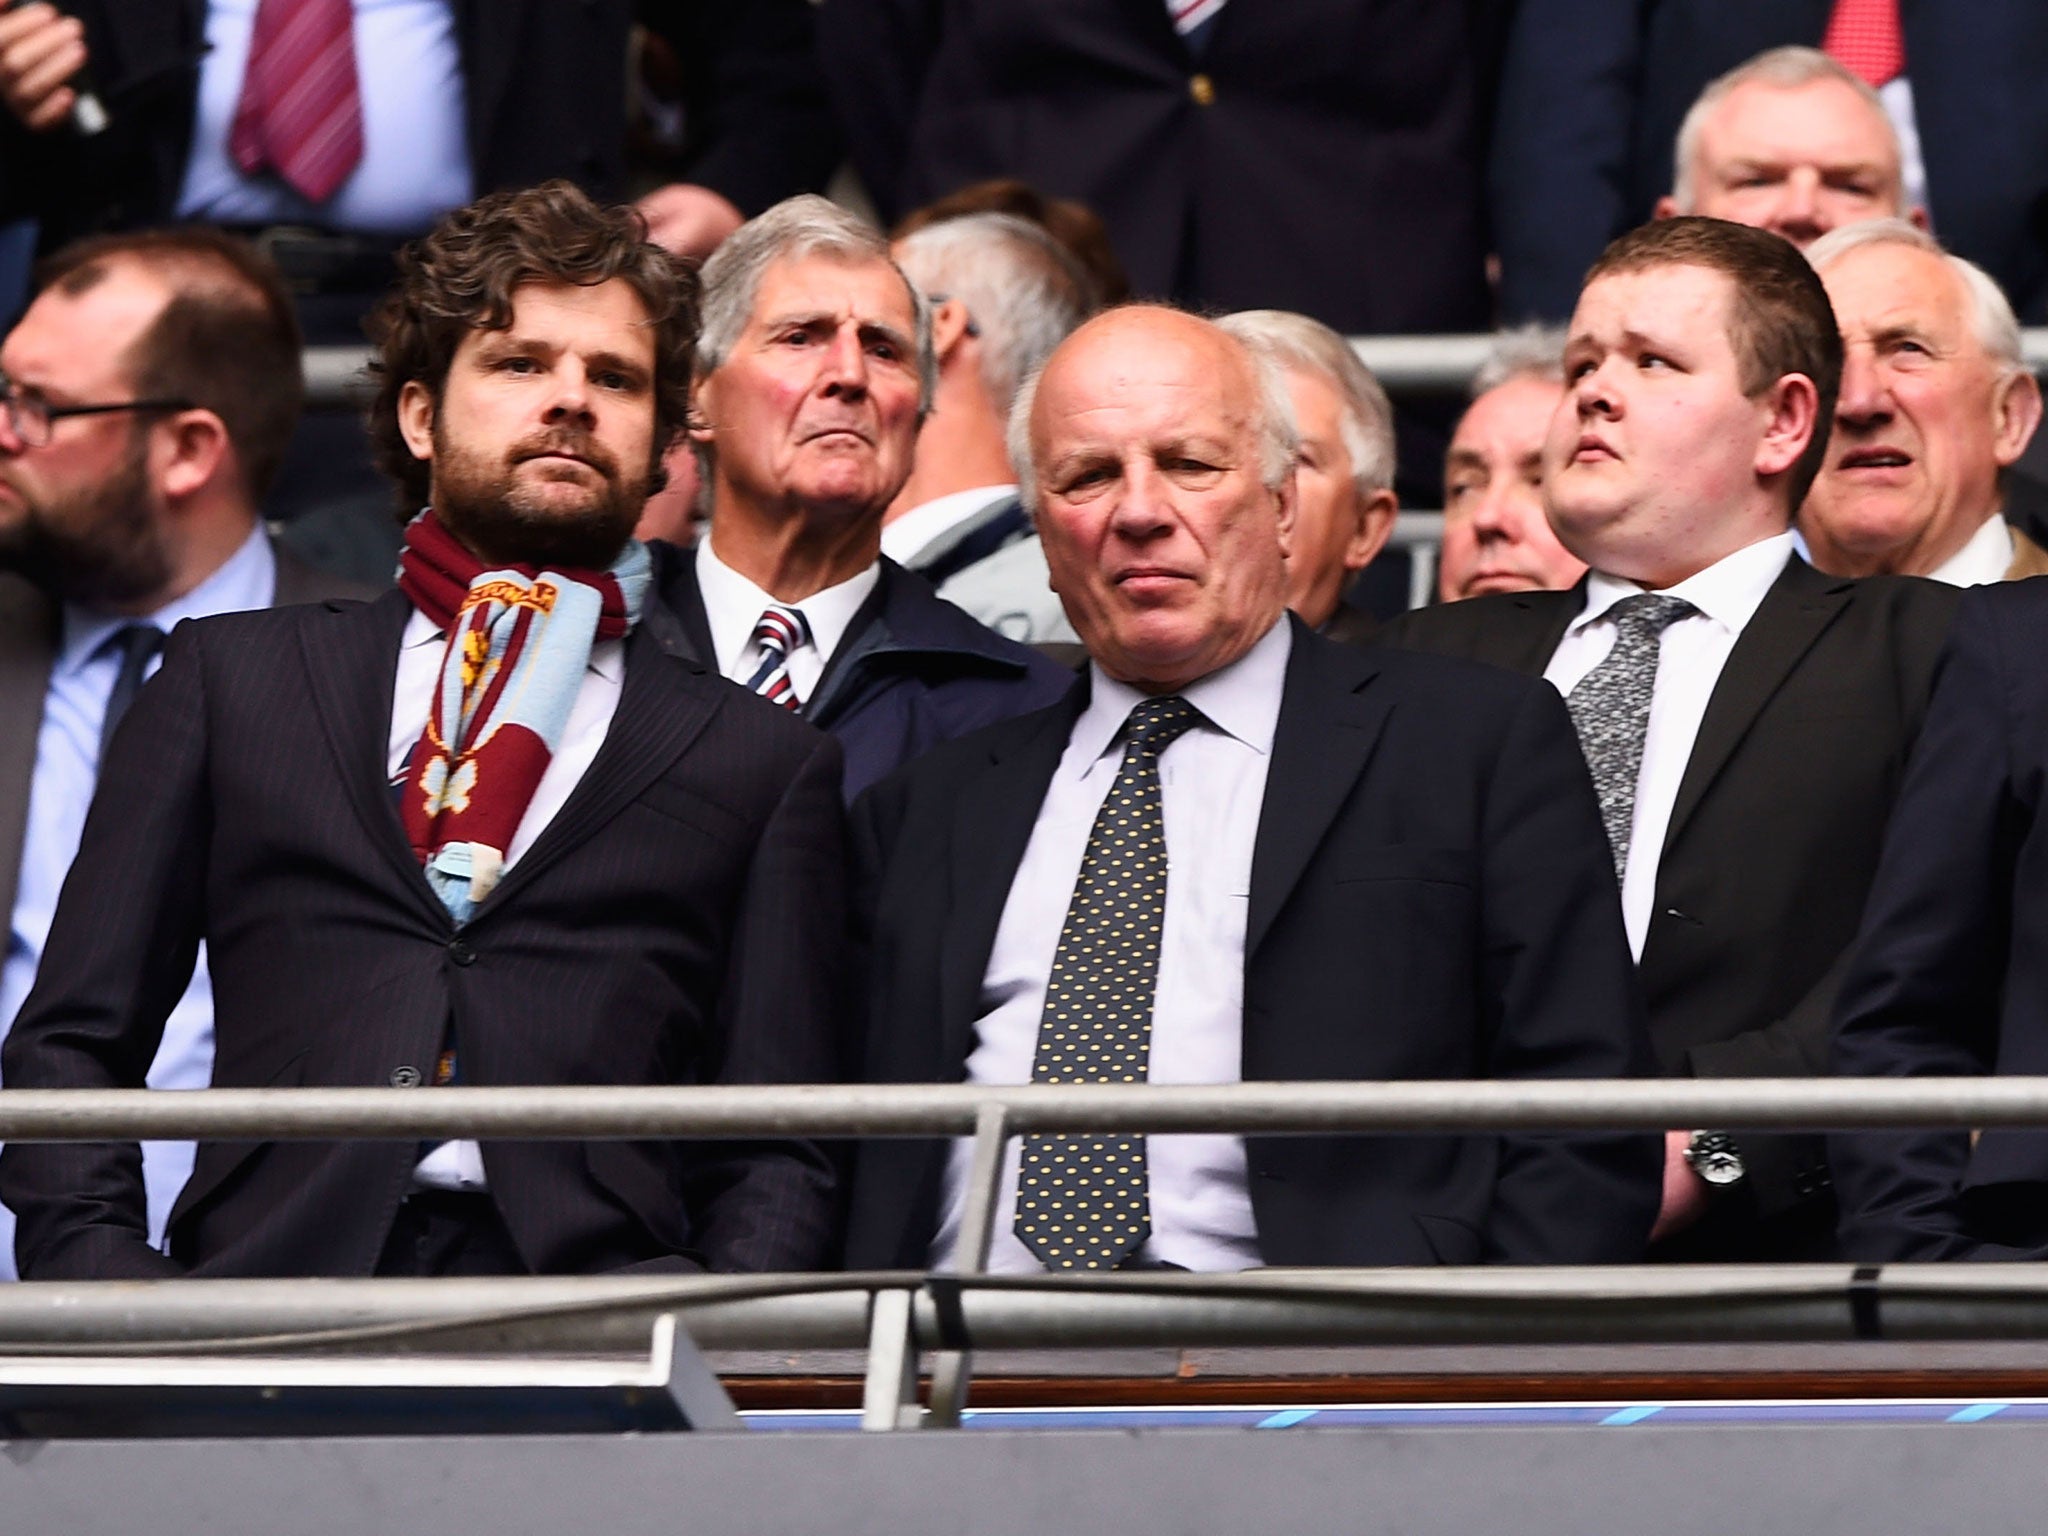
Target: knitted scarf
[(519, 642)]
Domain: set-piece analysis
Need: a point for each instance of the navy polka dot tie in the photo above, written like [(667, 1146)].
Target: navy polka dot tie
[(1081, 1200)]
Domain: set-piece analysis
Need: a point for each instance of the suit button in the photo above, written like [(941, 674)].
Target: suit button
[(405, 1077), (1203, 90), (460, 952)]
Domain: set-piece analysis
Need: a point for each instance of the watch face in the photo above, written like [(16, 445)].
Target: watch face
[(1713, 1157)]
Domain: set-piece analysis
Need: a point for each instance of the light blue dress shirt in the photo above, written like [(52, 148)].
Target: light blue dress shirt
[(67, 766), (415, 164)]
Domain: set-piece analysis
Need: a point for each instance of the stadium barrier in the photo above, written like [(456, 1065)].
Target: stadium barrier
[(896, 1316)]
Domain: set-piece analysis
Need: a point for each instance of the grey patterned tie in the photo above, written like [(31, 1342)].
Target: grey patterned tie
[(1611, 708), (1081, 1200)]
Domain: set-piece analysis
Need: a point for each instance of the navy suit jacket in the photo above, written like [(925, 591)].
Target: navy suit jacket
[(644, 938), (1593, 91), (1949, 973), (1431, 897)]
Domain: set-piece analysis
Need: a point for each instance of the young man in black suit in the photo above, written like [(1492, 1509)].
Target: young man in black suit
[(1237, 850), (1746, 718), (497, 827)]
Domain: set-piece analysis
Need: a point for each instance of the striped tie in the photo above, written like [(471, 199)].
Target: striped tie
[(300, 113), (780, 631), (1191, 16)]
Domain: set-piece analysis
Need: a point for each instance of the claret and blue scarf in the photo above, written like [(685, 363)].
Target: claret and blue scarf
[(519, 640)]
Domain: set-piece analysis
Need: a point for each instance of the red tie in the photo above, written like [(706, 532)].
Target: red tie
[(300, 112), (1865, 36)]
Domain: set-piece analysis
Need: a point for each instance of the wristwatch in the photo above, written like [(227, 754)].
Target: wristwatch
[(1714, 1156)]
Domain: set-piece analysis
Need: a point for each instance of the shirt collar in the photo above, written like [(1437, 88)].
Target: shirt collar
[(246, 579), (1728, 591), (1984, 559), (1241, 700), (733, 606), (904, 539)]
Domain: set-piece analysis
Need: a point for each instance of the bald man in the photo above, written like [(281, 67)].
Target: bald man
[(1357, 883)]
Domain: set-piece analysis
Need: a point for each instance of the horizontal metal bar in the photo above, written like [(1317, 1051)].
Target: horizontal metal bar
[(950, 1109), (1403, 364), (1622, 1304)]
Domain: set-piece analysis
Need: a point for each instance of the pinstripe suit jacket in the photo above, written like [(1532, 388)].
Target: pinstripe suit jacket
[(643, 939)]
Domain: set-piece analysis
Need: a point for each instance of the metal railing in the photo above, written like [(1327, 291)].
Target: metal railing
[(1405, 365), (898, 1314)]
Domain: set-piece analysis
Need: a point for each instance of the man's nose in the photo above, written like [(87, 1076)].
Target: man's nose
[(571, 398), (1144, 502), (1593, 393), (1493, 510), (1800, 214), (1864, 400), (845, 364)]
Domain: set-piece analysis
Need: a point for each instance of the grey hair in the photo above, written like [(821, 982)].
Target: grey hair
[(1279, 435), (1784, 69), (1991, 316), (1525, 352), (794, 228), (1021, 289), (1296, 342)]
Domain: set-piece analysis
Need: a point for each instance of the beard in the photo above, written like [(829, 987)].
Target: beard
[(101, 546), (509, 520)]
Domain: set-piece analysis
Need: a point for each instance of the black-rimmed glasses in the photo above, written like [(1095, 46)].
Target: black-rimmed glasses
[(31, 418)]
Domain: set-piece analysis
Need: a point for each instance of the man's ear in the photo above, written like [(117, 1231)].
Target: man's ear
[(2016, 413), (1666, 207), (951, 326), (1792, 409), (193, 449), (699, 427), (1375, 527), (1287, 499), (416, 419)]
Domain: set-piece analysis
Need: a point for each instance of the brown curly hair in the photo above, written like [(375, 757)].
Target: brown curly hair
[(461, 277)]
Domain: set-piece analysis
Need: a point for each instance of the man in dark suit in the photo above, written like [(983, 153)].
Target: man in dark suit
[(1746, 718), (1946, 975), (1593, 91), (815, 372), (1324, 156), (495, 827), (1237, 849), (148, 393)]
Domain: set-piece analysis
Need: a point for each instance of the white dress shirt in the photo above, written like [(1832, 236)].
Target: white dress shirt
[(1985, 559), (1689, 664), (1212, 785), (733, 605), (66, 772), (415, 164), (906, 539), (459, 1164)]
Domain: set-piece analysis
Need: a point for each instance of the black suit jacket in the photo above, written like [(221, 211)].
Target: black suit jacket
[(1949, 974), (1772, 843), (650, 935), (1593, 92), (543, 97), (1335, 167), (1430, 898)]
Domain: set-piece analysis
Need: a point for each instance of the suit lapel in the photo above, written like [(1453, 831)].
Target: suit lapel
[(1800, 605), (662, 707), (992, 823), (1330, 720), (1527, 646), (352, 664), (28, 648)]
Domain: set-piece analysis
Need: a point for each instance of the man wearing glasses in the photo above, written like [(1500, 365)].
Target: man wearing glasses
[(145, 401)]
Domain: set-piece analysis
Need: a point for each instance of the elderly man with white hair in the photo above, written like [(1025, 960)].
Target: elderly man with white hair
[(814, 371), (1237, 850), (1936, 405)]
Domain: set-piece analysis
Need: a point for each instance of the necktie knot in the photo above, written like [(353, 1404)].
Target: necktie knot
[(780, 630), (1649, 614), (1156, 724)]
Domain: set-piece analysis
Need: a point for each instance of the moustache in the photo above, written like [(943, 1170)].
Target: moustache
[(571, 442)]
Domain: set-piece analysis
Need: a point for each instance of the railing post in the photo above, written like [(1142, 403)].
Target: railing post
[(889, 1399), (953, 1369)]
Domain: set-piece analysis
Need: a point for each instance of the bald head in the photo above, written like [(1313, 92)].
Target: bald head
[(1160, 458)]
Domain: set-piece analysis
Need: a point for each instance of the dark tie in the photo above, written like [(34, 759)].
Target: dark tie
[(300, 111), (1611, 708), (136, 645), (780, 631), (1081, 1200)]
